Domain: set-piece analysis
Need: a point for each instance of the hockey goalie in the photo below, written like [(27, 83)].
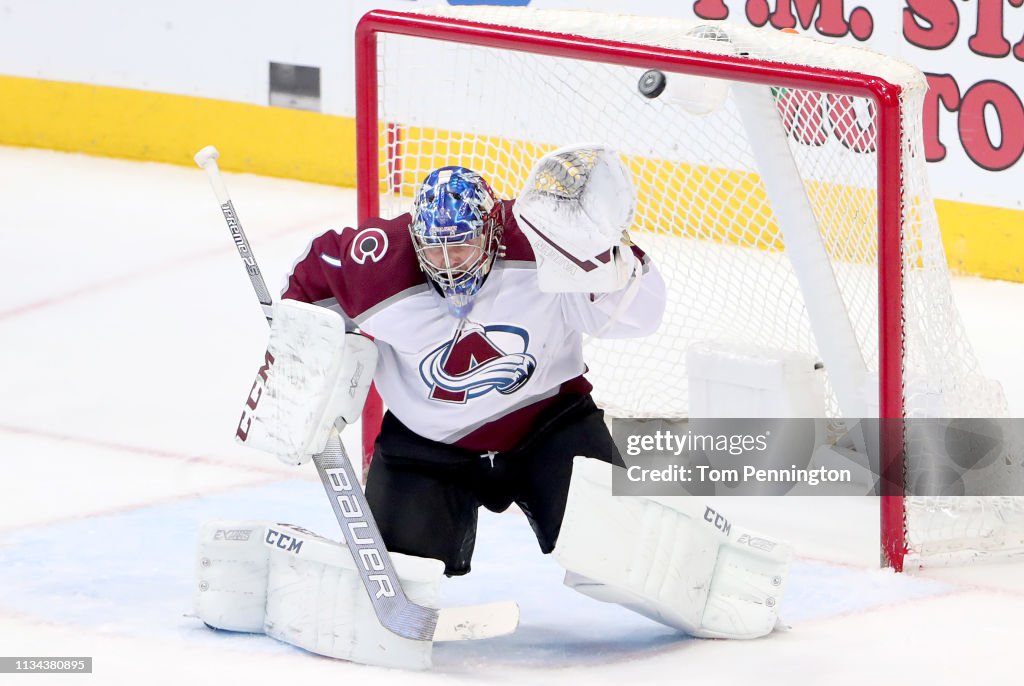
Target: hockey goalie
[(477, 308)]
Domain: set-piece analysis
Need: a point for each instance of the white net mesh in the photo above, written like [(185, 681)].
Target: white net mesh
[(957, 529), (703, 213)]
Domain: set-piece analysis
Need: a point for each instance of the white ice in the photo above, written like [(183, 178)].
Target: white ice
[(129, 336)]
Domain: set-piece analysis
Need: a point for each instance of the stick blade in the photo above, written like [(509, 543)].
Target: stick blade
[(477, 621)]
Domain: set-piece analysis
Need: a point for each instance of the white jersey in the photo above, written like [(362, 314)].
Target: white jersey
[(477, 383)]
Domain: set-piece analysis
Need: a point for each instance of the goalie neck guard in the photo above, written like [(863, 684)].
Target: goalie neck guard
[(456, 230)]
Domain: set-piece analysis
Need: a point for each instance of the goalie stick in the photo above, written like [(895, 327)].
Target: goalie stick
[(393, 608)]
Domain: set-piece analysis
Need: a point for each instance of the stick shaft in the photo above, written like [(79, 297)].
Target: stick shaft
[(394, 610), (209, 164)]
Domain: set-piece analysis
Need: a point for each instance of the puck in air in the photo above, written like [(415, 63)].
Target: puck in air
[(652, 83)]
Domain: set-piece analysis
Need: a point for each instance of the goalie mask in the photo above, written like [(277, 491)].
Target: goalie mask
[(456, 230)]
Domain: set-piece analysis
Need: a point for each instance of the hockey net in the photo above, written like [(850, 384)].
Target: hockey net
[(494, 88)]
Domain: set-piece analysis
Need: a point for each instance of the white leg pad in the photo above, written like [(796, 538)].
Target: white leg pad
[(671, 559), (304, 590)]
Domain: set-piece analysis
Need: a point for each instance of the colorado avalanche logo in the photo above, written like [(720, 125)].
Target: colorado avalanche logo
[(369, 244), (477, 363)]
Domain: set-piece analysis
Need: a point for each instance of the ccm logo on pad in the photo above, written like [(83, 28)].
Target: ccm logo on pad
[(283, 541), (255, 393), (719, 522)]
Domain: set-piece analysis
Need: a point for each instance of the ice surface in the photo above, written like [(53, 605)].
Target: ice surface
[(130, 336)]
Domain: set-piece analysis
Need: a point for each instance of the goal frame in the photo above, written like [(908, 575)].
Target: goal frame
[(886, 97)]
